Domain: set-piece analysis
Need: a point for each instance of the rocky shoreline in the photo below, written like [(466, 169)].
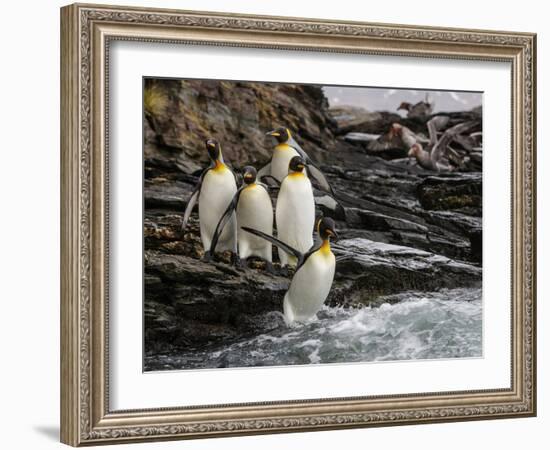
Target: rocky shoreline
[(404, 229)]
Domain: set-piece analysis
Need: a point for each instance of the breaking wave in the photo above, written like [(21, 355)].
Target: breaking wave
[(408, 326)]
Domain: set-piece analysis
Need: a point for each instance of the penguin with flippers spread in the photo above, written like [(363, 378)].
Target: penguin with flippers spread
[(214, 192), (314, 274), (253, 208)]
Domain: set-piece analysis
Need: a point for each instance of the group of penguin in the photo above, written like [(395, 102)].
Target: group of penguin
[(240, 219)]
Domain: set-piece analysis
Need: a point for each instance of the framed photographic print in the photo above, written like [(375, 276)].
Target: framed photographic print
[(275, 224)]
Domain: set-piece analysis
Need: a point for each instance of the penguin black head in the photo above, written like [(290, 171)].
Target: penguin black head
[(282, 134), (249, 174), (296, 164), (214, 149), (326, 228)]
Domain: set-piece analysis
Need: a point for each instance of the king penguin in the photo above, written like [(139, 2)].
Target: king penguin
[(314, 275), (295, 211), (277, 169), (254, 209), (214, 192), (284, 151)]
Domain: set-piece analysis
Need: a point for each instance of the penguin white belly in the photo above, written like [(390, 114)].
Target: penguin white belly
[(217, 191), (295, 215), (254, 210), (309, 287), (282, 155)]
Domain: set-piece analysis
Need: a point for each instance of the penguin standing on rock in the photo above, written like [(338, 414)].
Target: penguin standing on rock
[(284, 151), (312, 281), (214, 192), (254, 209), (295, 211)]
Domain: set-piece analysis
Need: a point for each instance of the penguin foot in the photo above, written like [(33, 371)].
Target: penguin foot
[(207, 256)]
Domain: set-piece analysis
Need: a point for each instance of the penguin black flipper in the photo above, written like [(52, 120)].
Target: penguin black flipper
[(238, 178), (224, 219), (292, 142), (287, 248), (264, 171), (316, 247), (312, 168), (270, 184), (270, 181), (192, 201), (319, 177), (189, 208), (266, 186), (335, 208), (194, 197)]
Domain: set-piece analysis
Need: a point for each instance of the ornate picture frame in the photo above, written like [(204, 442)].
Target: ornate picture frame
[(86, 34)]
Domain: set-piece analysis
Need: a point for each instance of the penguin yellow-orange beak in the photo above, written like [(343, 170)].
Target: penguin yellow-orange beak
[(273, 133), (332, 233)]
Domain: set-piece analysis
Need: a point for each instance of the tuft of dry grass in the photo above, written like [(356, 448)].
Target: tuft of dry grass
[(155, 100)]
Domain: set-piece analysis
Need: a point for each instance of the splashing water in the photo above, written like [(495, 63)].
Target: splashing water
[(410, 325)]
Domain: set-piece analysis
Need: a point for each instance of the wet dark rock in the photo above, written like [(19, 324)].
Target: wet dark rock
[(476, 244), (205, 302), (367, 270), (371, 220), (360, 138), (379, 145), (458, 222), (166, 194), (476, 157), (354, 119), (451, 193)]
